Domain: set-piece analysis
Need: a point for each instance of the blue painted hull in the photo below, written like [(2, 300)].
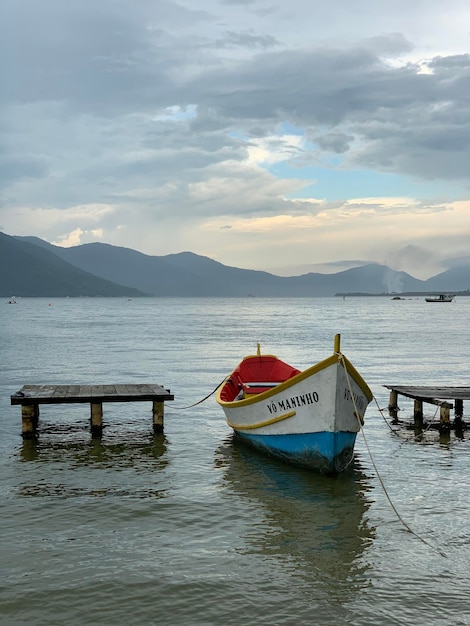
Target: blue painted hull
[(326, 452)]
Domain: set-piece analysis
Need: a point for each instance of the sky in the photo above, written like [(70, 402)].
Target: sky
[(286, 136)]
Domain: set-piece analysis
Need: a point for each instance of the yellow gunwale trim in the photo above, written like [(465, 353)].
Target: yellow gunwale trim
[(290, 382), (352, 371), (278, 418), (328, 362)]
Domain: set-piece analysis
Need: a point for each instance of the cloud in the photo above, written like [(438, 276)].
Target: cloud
[(246, 40), (76, 237), (156, 125)]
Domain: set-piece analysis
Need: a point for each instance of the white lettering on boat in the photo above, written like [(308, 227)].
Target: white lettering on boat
[(293, 402)]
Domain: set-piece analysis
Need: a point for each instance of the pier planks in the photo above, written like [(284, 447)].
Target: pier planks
[(436, 395), (31, 396)]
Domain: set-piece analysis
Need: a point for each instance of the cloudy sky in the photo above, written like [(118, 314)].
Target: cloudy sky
[(285, 135)]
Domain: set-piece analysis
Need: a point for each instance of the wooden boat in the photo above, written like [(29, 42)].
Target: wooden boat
[(309, 418), (442, 297)]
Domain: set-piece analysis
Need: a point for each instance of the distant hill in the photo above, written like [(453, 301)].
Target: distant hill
[(454, 279), (31, 270), (190, 275)]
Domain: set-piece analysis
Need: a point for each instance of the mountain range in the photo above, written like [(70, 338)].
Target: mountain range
[(32, 267)]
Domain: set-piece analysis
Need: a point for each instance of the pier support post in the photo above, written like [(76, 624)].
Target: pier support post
[(418, 412), (393, 405), (29, 420), (96, 419), (444, 425), (458, 417), (158, 412)]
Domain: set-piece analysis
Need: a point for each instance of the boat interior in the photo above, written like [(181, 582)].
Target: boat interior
[(256, 374)]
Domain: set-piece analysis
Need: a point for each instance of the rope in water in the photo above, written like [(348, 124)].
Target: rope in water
[(183, 408), (395, 431), (400, 518)]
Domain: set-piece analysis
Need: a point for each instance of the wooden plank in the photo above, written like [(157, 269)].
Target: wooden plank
[(60, 392), (56, 394), (97, 391), (74, 390), (122, 390), (30, 394), (44, 391), (140, 389), (432, 394), (85, 393), (28, 388), (158, 390), (109, 391)]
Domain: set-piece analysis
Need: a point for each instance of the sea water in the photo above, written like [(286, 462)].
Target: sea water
[(192, 528)]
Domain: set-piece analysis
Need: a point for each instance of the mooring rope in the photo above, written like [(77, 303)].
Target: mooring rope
[(182, 408), (400, 518), (395, 430), (381, 411)]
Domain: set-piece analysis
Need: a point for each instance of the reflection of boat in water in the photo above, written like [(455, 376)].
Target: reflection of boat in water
[(441, 297), (301, 519), (308, 418)]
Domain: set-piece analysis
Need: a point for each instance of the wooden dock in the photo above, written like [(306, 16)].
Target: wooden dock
[(439, 396), (31, 396)]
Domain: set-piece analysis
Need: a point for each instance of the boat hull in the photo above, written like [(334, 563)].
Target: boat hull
[(310, 420), (325, 452), (443, 297)]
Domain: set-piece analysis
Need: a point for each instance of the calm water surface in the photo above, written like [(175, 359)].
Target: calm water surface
[(191, 528)]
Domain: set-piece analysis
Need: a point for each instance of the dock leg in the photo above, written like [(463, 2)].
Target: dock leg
[(96, 419), (444, 425), (418, 412), (158, 412), (29, 420), (458, 418), (393, 405)]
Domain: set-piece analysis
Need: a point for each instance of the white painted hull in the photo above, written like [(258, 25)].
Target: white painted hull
[(311, 419)]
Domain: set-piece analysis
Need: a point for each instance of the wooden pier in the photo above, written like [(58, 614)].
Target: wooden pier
[(438, 396), (31, 396)]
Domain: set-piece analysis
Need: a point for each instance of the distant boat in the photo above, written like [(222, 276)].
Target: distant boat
[(442, 297), (309, 418)]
